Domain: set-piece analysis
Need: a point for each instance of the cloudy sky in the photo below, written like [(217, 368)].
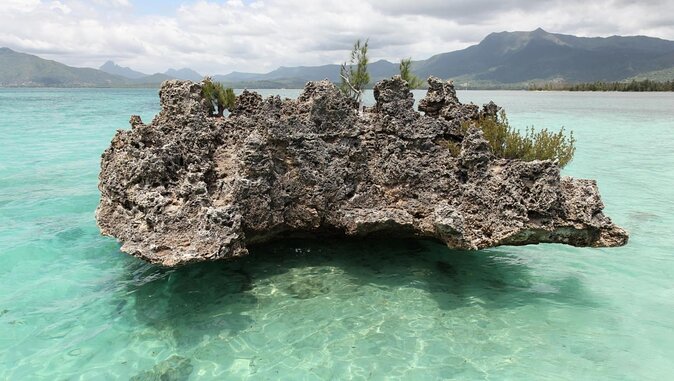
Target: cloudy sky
[(217, 37)]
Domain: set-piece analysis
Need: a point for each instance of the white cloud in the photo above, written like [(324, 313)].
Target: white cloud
[(112, 3), (59, 6), (219, 37), (21, 6)]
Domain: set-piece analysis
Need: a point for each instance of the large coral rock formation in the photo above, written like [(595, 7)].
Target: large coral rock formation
[(188, 187)]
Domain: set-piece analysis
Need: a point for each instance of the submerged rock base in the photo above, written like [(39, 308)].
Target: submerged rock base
[(189, 187)]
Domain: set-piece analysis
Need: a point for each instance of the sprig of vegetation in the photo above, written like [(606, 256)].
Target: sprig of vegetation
[(509, 143), (354, 79), (220, 97), (406, 73)]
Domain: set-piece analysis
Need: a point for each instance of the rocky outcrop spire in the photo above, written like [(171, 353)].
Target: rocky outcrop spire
[(188, 188)]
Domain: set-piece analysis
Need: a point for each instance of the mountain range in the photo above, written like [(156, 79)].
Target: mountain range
[(505, 59), (112, 68)]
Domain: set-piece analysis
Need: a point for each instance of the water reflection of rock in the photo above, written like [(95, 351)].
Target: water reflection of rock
[(308, 269), (175, 368), (181, 304), (222, 315)]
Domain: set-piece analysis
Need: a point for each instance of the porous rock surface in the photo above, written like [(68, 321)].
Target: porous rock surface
[(188, 187)]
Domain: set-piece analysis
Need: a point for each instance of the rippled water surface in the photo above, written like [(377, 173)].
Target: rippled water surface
[(72, 306)]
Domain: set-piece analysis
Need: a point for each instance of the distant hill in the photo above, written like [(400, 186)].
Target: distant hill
[(657, 75), (154, 79), (513, 57), (185, 73), (142, 78), (112, 68), (510, 59), (330, 72), (501, 60), (25, 70), (378, 70)]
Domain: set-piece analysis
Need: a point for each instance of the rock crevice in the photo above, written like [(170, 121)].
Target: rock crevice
[(188, 187)]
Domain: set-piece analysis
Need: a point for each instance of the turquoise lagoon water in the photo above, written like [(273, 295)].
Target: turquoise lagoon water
[(72, 306)]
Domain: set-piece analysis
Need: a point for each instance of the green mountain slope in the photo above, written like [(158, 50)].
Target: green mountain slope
[(25, 70), (512, 57), (657, 75), (19, 69)]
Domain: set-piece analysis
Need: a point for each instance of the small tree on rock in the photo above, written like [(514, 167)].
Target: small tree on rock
[(406, 73), (354, 75), (510, 143), (218, 96)]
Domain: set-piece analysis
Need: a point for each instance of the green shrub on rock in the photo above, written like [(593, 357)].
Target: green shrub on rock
[(220, 97), (509, 143)]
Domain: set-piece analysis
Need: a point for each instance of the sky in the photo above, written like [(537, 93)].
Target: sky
[(218, 37)]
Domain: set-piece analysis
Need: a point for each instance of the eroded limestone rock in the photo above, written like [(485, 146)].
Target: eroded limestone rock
[(188, 187)]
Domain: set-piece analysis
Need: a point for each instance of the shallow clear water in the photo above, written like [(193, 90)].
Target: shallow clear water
[(72, 306)]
